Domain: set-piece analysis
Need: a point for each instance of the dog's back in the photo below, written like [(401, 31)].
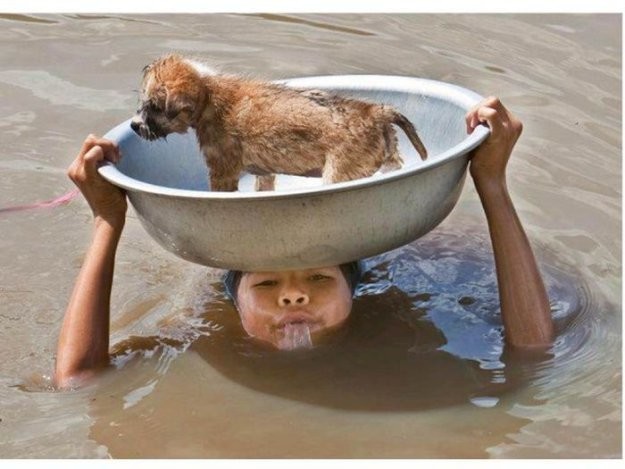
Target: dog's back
[(292, 131)]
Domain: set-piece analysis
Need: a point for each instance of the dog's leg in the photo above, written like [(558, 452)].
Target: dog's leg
[(223, 174), (341, 170), (265, 183), (392, 158), (223, 182), (328, 174)]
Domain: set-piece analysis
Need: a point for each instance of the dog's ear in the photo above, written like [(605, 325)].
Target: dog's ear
[(147, 69), (175, 104)]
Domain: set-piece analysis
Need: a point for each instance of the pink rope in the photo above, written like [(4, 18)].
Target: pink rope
[(62, 200)]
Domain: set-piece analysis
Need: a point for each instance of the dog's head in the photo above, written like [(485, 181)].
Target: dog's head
[(172, 98)]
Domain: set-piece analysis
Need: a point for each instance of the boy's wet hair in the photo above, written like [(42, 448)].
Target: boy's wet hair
[(352, 271)]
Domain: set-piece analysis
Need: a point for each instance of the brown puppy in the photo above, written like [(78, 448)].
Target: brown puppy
[(263, 128)]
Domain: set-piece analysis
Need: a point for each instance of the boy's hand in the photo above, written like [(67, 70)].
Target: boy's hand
[(107, 201), (488, 161)]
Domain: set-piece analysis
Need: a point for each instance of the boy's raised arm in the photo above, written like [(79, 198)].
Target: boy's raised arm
[(84, 339), (525, 305)]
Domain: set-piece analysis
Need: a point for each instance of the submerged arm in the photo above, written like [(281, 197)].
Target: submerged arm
[(525, 305)]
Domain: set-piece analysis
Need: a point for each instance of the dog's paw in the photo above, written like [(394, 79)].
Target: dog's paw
[(265, 183)]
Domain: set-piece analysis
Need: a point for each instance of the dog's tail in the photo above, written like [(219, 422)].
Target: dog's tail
[(403, 123)]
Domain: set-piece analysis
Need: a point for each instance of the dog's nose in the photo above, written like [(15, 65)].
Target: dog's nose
[(134, 125)]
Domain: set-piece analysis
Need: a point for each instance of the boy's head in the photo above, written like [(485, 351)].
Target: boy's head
[(270, 303)]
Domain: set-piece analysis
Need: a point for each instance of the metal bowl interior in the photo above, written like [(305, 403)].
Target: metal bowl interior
[(303, 223)]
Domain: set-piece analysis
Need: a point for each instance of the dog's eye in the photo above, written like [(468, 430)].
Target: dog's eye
[(153, 107), (171, 113)]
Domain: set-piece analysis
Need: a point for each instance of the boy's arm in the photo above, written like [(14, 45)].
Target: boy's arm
[(84, 338), (525, 305)]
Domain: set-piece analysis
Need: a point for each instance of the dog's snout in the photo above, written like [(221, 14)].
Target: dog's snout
[(140, 128), (147, 128), (135, 125)]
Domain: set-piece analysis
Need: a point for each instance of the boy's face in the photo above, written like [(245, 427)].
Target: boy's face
[(270, 303)]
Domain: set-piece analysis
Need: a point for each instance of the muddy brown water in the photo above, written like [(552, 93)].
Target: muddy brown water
[(421, 370)]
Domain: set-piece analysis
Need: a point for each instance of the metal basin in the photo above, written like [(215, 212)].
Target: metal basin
[(303, 223)]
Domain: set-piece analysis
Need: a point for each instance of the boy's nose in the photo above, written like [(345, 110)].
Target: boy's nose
[(293, 297)]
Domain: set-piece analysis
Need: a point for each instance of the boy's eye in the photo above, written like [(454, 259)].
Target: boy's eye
[(266, 283), (318, 277)]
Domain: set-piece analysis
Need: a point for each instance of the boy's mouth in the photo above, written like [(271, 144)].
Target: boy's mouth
[(295, 335), (296, 318)]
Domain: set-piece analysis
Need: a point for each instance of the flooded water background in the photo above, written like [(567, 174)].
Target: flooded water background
[(422, 370)]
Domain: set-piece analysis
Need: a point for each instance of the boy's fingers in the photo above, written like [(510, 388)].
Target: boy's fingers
[(467, 120), (87, 144), (493, 102), (471, 120), (503, 115), (489, 111), (91, 159), (491, 117), (474, 119), (110, 149)]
